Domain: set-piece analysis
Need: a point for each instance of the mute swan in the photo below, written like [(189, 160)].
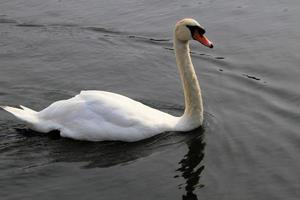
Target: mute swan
[(98, 115)]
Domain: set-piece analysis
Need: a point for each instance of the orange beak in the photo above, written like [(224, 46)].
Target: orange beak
[(203, 40)]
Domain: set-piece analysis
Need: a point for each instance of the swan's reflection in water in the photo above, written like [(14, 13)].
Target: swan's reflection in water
[(191, 166), (97, 154), (107, 154)]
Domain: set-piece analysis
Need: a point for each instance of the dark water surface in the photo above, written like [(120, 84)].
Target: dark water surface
[(250, 145)]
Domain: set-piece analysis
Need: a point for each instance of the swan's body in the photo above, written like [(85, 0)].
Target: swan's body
[(99, 115)]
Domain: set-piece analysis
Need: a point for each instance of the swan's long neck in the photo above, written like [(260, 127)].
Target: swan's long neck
[(193, 113)]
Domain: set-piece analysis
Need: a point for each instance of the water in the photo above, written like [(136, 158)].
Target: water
[(249, 146)]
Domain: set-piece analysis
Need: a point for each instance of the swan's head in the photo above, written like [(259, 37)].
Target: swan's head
[(189, 29)]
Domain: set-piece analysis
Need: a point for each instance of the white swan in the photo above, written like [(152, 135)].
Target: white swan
[(99, 115)]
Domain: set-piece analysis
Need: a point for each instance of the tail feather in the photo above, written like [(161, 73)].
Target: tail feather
[(27, 109), (24, 114)]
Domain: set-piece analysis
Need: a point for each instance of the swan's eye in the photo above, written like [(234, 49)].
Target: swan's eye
[(193, 29)]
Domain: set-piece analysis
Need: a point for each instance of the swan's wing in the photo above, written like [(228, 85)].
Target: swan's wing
[(97, 115), (105, 102)]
